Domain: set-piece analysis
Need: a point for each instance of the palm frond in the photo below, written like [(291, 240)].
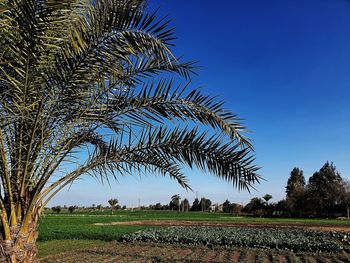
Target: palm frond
[(162, 150), (156, 102)]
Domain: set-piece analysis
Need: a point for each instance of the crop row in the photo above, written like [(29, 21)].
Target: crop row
[(276, 238)]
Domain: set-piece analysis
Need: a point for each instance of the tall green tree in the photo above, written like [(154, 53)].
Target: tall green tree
[(226, 206), (82, 87), (295, 190), (324, 190), (295, 182), (195, 205), (204, 204)]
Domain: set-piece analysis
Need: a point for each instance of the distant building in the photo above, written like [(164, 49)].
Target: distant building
[(216, 208)]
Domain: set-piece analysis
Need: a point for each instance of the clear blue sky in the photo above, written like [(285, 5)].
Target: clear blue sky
[(284, 65)]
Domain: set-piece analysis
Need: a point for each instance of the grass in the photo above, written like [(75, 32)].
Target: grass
[(64, 233), (81, 227), (122, 215)]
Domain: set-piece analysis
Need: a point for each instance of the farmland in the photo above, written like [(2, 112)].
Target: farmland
[(285, 239), (154, 236), (120, 252)]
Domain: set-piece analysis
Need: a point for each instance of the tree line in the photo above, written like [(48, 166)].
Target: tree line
[(325, 194), (113, 202)]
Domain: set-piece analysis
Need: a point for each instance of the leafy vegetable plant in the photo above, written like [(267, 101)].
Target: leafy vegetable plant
[(277, 238)]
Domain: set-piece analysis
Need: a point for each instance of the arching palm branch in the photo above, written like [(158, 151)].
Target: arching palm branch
[(74, 82)]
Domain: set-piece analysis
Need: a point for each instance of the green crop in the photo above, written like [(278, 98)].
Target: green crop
[(276, 238)]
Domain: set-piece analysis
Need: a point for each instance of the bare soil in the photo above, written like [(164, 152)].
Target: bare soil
[(153, 253)]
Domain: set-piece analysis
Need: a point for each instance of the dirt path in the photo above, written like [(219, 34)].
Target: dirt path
[(227, 224)]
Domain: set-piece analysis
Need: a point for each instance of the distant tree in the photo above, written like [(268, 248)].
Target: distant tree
[(256, 206), (113, 203), (166, 207), (124, 207), (267, 198), (280, 207), (175, 202), (295, 190), (182, 207), (99, 207), (72, 208), (57, 209), (195, 205), (295, 181), (157, 206), (324, 190), (226, 207), (204, 204), (186, 205), (236, 209)]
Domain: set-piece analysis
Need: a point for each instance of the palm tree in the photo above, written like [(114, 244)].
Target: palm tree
[(113, 203), (186, 205), (83, 93), (175, 199), (267, 198)]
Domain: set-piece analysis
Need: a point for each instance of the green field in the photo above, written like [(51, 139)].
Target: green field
[(65, 232), (123, 215), (81, 225)]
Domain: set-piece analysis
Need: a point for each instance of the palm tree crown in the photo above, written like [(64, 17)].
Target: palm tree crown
[(113, 202), (82, 78)]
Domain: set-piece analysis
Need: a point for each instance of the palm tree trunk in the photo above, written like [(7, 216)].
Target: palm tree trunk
[(22, 246)]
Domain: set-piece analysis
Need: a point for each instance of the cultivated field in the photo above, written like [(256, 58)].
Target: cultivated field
[(149, 236)]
